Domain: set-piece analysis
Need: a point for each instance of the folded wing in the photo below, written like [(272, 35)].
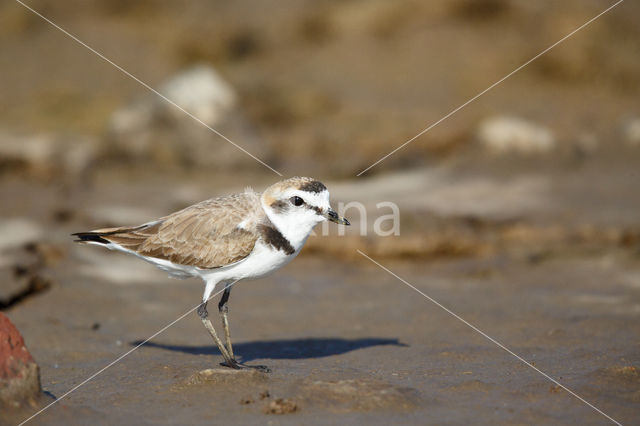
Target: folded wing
[(210, 234)]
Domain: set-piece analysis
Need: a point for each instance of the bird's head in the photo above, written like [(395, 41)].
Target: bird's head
[(296, 205)]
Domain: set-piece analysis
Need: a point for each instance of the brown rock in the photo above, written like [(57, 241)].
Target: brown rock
[(19, 373), (281, 406), (226, 376)]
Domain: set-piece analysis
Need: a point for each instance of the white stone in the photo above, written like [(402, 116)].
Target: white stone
[(631, 131), (153, 129), (198, 90), (44, 154), (33, 151), (511, 134), (202, 92)]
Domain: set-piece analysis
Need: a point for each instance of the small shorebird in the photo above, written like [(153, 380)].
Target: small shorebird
[(227, 239)]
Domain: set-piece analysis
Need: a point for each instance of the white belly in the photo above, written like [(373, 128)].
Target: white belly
[(262, 261)]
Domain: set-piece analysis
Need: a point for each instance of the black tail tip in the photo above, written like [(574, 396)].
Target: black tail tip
[(89, 236)]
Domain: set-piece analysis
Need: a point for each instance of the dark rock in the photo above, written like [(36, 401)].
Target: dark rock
[(21, 272)]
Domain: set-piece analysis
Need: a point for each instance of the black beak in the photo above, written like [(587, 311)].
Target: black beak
[(333, 217)]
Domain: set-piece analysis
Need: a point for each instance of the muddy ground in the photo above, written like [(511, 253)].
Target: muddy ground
[(539, 250), (346, 342)]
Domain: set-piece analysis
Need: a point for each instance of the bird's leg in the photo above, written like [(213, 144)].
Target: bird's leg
[(224, 311), (204, 316)]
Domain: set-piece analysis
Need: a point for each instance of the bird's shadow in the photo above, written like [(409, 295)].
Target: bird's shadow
[(284, 349)]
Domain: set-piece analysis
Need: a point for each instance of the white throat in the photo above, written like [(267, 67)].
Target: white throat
[(295, 229)]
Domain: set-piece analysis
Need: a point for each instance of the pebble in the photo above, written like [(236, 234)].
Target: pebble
[(47, 155), (505, 134), (22, 274), (199, 90), (281, 406), (631, 131)]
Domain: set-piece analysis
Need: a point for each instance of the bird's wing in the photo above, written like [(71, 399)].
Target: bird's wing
[(210, 234)]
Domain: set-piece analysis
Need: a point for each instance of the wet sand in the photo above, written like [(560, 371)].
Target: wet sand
[(348, 343)]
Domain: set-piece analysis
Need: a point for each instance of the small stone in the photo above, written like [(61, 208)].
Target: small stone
[(281, 406), (631, 131), (246, 401), (555, 389), (21, 274), (511, 134), (264, 394), (19, 373), (199, 90), (586, 144), (62, 215), (32, 153), (46, 155), (226, 375)]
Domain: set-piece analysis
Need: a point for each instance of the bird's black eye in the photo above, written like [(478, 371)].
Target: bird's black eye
[(296, 201)]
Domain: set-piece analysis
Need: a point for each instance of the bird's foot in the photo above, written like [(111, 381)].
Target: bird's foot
[(240, 366)]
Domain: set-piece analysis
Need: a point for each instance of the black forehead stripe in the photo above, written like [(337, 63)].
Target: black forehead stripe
[(313, 186)]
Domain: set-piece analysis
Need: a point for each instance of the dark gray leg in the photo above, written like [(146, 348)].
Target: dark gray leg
[(204, 316), (224, 311)]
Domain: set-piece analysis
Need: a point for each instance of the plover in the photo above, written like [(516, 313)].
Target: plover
[(227, 239)]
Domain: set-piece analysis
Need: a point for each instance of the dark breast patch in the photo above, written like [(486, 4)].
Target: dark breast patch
[(275, 239)]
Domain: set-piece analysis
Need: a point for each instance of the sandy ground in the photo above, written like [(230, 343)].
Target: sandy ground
[(346, 341), (350, 344)]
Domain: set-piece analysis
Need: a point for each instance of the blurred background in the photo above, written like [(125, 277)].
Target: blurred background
[(326, 88), (542, 170)]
